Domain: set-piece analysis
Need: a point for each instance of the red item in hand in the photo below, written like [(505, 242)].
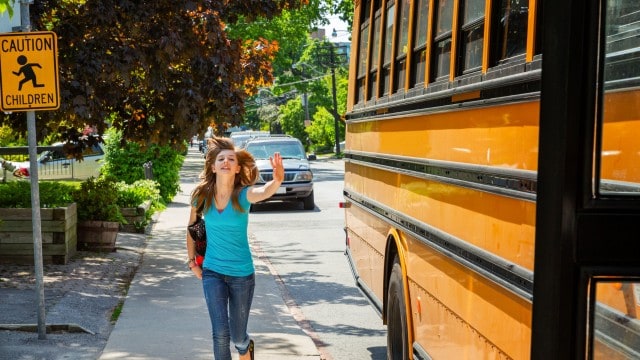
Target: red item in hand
[(199, 260)]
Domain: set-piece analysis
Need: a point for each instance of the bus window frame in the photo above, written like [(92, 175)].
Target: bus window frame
[(448, 34), (375, 66), (401, 59), (494, 58), (386, 69), (362, 74), (415, 82), (464, 29)]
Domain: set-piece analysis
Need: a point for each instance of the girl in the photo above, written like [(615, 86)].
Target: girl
[(226, 193)]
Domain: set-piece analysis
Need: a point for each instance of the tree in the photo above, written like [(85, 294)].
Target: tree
[(268, 114), (321, 132), (345, 9), (312, 75), (292, 119), (160, 70), (289, 30), (6, 5)]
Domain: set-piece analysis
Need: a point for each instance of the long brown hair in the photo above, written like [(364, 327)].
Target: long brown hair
[(202, 195)]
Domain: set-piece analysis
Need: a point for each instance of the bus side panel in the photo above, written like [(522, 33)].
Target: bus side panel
[(367, 241), (458, 314), (502, 136), (500, 225)]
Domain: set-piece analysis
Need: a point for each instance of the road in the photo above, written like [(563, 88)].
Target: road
[(306, 250)]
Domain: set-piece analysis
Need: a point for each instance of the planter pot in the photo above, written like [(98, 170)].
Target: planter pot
[(59, 237), (97, 235), (136, 218)]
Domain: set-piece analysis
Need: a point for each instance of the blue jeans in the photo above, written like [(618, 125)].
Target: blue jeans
[(229, 302)]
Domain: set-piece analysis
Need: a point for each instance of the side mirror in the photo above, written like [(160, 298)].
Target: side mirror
[(311, 156)]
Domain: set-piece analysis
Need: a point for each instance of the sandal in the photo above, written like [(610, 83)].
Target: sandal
[(251, 345)]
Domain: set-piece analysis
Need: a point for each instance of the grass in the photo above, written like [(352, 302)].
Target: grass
[(117, 311)]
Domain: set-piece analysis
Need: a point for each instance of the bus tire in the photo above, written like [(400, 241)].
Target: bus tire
[(397, 333)]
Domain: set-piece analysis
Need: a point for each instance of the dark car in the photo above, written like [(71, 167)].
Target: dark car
[(298, 178)]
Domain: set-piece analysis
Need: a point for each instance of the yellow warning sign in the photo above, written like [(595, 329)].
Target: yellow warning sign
[(29, 71)]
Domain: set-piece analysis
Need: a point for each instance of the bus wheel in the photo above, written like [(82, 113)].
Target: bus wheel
[(397, 348)]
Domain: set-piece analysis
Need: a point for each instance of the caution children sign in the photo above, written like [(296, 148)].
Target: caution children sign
[(29, 71)]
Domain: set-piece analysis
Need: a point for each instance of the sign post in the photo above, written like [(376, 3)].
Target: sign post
[(29, 82)]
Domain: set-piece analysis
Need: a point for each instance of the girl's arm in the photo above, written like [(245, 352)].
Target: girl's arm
[(258, 193), (191, 247)]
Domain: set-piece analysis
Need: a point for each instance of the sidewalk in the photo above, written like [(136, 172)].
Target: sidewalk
[(164, 315)]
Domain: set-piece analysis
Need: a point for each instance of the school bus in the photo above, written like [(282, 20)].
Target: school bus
[(486, 139)]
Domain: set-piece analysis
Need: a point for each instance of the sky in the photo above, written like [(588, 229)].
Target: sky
[(341, 28)]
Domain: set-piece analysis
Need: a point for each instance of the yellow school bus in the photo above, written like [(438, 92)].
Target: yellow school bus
[(441, 180)]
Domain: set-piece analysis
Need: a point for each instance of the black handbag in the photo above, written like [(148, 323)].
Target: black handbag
[(198, 233)]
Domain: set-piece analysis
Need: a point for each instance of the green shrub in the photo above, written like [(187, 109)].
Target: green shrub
[(97, 199), (132, 195), (10, 137), (125, 162), (17, 194)]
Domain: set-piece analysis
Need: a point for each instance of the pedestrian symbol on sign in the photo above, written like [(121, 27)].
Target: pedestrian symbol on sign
[(27, 71)]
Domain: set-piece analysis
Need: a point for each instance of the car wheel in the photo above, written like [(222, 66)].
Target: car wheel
[(309, 203), (397, 348)]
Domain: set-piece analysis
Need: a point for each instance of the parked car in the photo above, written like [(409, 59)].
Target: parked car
[(54, 165), (240, 138), (298, 178)]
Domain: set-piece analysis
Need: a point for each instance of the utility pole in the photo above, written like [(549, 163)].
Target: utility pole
[(305, 98)]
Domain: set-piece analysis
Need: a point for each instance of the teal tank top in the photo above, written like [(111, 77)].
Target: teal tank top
[(228, 250)]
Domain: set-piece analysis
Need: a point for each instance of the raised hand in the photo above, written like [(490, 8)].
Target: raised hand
[(278, 168)]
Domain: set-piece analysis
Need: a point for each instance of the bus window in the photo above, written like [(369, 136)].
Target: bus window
[(471, 36), (375, 48), (402, 43), (620, 153), (510, 26), (362, 63), (615, 320), (363, 53), (441, 56), (419, 56), (388, 39)]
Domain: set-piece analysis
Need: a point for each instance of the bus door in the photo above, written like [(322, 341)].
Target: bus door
[(587, 254)]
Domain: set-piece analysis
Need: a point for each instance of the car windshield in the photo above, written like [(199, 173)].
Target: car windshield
[(263, 150), (240, 140)]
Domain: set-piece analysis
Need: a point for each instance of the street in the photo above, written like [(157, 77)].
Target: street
[(305, 249)]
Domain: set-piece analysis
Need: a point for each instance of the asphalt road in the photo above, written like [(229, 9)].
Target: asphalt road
[(305, 249)]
